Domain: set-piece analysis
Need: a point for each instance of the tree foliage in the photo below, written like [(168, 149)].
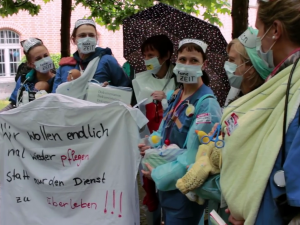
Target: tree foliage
[(110, 13), (10, 7)]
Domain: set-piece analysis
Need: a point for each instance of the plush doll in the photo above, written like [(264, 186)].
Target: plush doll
[(73, 74), (208, 162)]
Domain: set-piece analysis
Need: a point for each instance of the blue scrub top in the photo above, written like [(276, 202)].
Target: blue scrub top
[(268, 212), (178, 134), (173, 202), (108, 69)]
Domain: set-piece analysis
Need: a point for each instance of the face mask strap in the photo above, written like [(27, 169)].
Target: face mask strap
[(272, 46), (266, 33), (264, 37), (247, 71), (242, 64)]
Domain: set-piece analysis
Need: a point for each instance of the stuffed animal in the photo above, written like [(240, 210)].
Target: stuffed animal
[(208, 162)]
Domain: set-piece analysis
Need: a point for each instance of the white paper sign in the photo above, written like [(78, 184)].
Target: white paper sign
[(69, 161), (145, 84), (98, 94)]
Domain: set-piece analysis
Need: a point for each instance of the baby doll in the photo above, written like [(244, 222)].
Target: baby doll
[(42, 86), (73, 74)]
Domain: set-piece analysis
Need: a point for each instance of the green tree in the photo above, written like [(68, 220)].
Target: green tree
[(110, 13), (10, 7)]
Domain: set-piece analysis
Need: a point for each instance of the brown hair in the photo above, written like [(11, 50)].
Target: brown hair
[(193, 47), (252, 80), (286, 11)]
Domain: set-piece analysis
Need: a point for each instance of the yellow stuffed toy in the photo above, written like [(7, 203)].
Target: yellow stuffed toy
[(208, 162)]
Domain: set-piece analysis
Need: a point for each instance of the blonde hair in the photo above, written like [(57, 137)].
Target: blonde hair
[(286, 11), (252, 79)]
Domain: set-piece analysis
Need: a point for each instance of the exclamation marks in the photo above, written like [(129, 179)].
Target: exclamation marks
[(114, 201), (105, 211), (120, 215)]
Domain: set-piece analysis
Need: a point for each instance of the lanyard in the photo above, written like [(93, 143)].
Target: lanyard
[(279, 177)]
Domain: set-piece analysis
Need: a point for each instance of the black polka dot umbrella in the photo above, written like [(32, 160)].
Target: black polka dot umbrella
[(177, 25)]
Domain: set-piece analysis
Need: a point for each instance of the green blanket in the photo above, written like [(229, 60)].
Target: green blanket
[(252, 148)]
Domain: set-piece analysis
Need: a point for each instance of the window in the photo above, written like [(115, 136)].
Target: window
[(9, 53)]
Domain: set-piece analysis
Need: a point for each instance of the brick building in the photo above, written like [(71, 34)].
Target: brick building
[(46, 26)]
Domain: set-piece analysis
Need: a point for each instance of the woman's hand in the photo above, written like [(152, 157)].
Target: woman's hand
[(143, 147), (158, 95), (105, 84), (148, 173), (233, 220)]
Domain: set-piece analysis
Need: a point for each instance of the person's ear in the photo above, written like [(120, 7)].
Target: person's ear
[(277, 30), (204, 65), (167, 57)]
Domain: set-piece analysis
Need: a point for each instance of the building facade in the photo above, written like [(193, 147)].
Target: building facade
[(46, 26)]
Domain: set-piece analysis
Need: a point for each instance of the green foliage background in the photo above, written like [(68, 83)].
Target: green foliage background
[(110, 13)]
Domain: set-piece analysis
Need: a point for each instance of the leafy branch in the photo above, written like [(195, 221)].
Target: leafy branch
[(111, 13)]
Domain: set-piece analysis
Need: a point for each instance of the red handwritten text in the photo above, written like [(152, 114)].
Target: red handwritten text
[(72, 157), (71, 204)]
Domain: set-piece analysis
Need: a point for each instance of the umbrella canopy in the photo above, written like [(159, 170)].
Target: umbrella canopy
[(177, 25)]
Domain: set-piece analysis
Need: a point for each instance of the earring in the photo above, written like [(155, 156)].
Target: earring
[(274, 37)]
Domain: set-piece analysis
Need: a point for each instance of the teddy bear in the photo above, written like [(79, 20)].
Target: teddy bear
[(208, 162)]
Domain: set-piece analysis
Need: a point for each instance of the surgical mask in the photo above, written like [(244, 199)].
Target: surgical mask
[(152, 65), (267, 57), (44, 65), (234, 80), (86, 45), (187, 74)]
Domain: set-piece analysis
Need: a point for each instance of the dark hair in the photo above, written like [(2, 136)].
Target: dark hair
[(160, 43), (73, 35), (193, 47), (32, 47)]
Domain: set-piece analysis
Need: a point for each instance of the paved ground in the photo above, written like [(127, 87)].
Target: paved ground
[(6, 88), (142, 207)]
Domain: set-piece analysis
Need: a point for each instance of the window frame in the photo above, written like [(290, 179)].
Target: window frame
[(6, 46)]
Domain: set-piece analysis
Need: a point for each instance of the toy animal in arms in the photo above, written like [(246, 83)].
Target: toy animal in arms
[(208, 162)]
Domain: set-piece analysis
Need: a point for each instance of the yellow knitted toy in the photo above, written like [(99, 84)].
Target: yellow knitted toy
[(208, 162)]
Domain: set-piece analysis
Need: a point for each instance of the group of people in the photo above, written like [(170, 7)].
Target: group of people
[(259, 177), (43, 75)]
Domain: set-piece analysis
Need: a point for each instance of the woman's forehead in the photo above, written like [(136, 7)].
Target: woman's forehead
[(86, 29), (233, 53), (192, 53), (38, 50)]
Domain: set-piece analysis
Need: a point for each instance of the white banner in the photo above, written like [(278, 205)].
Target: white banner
[(68, 161)]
